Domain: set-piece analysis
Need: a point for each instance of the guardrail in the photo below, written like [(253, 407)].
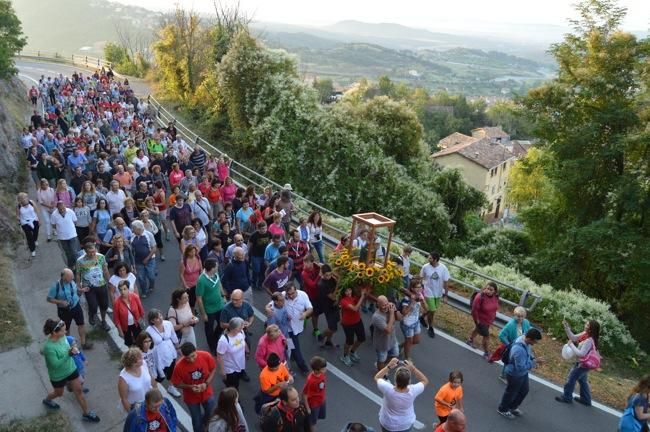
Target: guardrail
[(74, 59), (244, 175)]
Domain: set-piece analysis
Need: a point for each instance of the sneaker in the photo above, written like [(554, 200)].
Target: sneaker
[(87, 345), (431, 332), (173, 391), (503, 379), (33, 253), (507, 414), (109, 310), (516, 412), (105, 326), (354, 357), (470, 343), (579, 400), (162, 258), (91, 320), (91, 417), (562, 400), (346, 361), (143, 295), (244, 376), (486, 355), (316, 332), (51, 404), (36, 243)]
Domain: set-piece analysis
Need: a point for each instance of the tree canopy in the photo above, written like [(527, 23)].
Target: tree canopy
[(12, 39)]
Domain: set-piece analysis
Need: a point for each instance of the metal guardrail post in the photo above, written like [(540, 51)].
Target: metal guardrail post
[(523, 298)]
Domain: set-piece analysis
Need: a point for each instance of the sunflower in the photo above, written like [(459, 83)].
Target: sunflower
[(381, 279), (370, 271), (360, 274), (338, 262), (362, 266)]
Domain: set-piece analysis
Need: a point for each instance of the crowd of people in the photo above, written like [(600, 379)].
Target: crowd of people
[(113, 189)]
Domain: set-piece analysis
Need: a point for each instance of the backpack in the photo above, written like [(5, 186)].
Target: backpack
[(473, 297), (271, 419), (505, 356)]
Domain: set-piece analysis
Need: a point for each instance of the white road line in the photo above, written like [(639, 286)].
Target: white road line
[(347, 379), (536, 378), (28, 77)]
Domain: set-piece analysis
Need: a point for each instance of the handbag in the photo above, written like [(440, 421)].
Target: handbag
[(591, 360)]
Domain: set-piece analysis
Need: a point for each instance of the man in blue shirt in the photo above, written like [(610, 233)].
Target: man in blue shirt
[(65, 296), (521, 360)]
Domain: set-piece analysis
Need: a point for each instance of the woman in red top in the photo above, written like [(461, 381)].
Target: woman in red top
[(484, 311), (127, 310), (228, 190), (352, 325), (214, 198), (190, 270)]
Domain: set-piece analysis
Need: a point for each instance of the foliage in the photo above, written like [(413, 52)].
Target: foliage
[(354, 274), (324, 87), (122, 62), (588, 203), (505, 246), (556, 305), (511, 117), (12, 39)]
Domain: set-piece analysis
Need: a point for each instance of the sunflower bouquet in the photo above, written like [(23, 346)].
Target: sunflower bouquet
[(352, 273)]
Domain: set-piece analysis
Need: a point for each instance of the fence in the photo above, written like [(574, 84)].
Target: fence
[(335, 224), (74, 59)]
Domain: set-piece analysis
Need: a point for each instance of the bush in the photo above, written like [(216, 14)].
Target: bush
[(576, 307)]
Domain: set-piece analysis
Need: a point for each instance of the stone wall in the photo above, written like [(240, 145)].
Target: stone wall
[(14, 114)]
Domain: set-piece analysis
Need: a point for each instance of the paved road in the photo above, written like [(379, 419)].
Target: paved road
[(352, 394)]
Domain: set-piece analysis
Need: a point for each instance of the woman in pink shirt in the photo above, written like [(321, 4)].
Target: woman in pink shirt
[(175, 176), (228, 190), (484, 310), (272, 341), (223, 168), (190, 270), (276, 227)]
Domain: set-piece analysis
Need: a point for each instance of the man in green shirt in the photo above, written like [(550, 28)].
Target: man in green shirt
[(210, 300), (92, 275)]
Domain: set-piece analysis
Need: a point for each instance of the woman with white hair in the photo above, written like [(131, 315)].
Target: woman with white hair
[(517, 326), (232, 351)]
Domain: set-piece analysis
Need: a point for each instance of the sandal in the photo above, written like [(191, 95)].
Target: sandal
[(51, 404), (91, 417)]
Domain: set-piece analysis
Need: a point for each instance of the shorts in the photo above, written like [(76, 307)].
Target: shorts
[(482, 329), (318, 413), (433, 303), (60, 384), (68, 315), (411, 330), (382, 356), (332, 318), (354, 330)]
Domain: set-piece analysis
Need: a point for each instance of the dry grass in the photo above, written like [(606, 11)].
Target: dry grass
[(13, 329), (51, 422), (611, 385)]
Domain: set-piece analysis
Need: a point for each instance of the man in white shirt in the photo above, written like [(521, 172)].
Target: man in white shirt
[(435, 277), (63, 220), (115, 198), (201, 208), (299, 308)]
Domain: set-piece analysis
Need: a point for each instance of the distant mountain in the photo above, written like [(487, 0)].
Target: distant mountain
[(78, 26)]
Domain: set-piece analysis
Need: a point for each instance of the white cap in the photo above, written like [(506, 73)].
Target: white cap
[(287, 186)]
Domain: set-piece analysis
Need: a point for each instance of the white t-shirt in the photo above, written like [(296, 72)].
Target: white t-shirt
[(115, 201), (115, 279), (434, 279), (164, 345), (396, 412), (65, 229), (233, 351), (295, 308)]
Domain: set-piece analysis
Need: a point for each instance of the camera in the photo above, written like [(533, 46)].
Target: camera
[(317, 236)]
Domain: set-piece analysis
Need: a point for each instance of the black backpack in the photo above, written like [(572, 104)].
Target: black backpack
[(473, 297), (505, 355)]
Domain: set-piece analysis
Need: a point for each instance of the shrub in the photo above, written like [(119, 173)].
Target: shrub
[(575, 306)]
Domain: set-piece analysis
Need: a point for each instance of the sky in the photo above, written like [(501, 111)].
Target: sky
[(430, 14)]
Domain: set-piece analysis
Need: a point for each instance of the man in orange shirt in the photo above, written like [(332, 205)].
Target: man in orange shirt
[(273, 378), (123, 177)]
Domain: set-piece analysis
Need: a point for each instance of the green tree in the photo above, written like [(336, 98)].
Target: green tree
[(324, 87), (12, 39), (115, 53), (511, 117)]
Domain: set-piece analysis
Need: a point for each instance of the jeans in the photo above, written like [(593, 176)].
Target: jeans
[(46, 215), (200, 418), (257, 265), (516, 391), (318, 246), (296, 354), (31, 235), (146, 276), (578, 374), (213, 330), (70, 249)]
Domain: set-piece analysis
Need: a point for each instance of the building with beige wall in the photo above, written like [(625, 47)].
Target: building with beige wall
[(485, 160)]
